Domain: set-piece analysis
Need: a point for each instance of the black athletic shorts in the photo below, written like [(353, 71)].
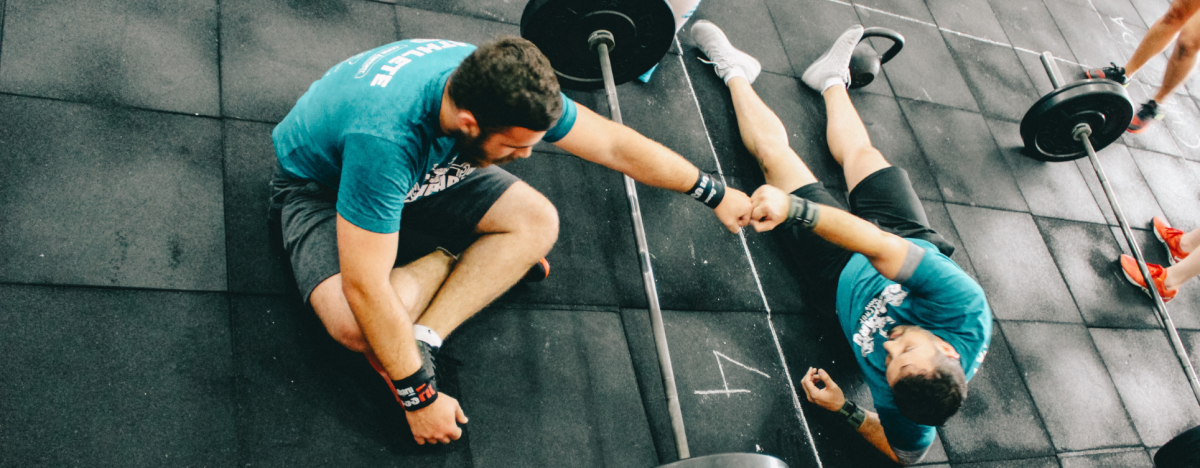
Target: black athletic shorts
[(305, 213), (885, 198)]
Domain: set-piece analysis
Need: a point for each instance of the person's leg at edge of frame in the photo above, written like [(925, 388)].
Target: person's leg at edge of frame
[(766, 138), (1187, 268), (1160, 35), (848, 139), (1182, 60)]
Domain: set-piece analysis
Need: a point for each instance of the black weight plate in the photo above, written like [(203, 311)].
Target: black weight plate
[(1047, 128), (1183, 451), (643, 30)]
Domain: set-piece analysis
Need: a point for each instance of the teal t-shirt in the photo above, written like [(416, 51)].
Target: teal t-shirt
[(370, 129), (938, 297)]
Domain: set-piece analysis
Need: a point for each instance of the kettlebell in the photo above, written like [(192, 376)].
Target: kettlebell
[(865, 62)]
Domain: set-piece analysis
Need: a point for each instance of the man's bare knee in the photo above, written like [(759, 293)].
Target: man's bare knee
[(1188, 43), (524, 211), (1178, 14), (331, 307)]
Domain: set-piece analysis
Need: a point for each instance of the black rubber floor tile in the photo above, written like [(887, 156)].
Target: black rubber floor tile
[(414, 23), (1191, 343), (1183, 118), (995, 75), (998, 420), (1130, 459), (665, 110), (505, 11), (939, 220), (970, 167), (595, 251), (749, 27), (1185, 308), (272, 50), (1114, 12), (809, 27), (733, 390), (1013, 265), (1055, 189), (782, 280), (567, 381), (1174, 185), (1150, 10), (925, 70), (1087, 255), (1156, 136), (110, 197), (1029, 25), (255, 264), (1138, 203), (698, 264), (115, 378), (799, 108), (1048, 462), (912, 9), (153, 55), (1091, 39), (1058, 360), (1151, 383), (974, 17), (892, 136)]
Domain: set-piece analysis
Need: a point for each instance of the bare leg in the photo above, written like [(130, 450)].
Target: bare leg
[(1183, 59), (1161, 33), (519, 229), (848, 139), (766, 138), (1190, 241), (414, 283), (1185, 270)]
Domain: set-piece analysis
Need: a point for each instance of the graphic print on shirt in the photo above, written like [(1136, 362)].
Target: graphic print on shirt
[(395, 63), (440, 178), (875, 317)]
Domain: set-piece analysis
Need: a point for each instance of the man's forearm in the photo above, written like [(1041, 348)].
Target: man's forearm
[(872, 430), (651, 163), (886, 251), (386, 326)]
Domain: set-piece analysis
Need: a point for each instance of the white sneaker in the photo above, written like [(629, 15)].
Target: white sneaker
[(725, 59), (833, 68)]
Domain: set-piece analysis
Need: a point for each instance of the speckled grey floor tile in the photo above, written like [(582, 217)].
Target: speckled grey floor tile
[(925, 70), (415, 22), (1054, 189), (995, 75), (891, 135), (506, 11), (1151, 383), (151, 55), (110, 197), (748, 25), (1125, 459), (116, 378), (1060, 359), (256, 265), (1137, 201), (272, 50), (808, 27), (1174, 185)]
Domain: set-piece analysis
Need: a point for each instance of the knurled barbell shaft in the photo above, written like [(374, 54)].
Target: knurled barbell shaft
[(639, 232)]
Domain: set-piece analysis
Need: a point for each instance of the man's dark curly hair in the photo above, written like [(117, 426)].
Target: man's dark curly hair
[(507, 83), (930, 399)]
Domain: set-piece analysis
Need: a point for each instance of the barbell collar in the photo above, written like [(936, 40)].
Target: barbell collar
[(1081, 132), (601, 36)]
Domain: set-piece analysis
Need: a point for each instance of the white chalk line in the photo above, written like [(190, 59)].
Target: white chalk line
[(812, 443)]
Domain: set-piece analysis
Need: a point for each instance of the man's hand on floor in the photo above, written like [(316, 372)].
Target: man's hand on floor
[(734, 210), (830, 397), (437, 422)]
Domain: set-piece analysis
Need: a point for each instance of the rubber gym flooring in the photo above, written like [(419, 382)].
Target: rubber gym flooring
[(146, 320)]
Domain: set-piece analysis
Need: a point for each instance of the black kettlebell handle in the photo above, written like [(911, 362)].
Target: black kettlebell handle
[(889, 34)]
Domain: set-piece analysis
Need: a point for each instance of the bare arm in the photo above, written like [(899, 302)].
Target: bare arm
[(366, 262), (832, 399), (885, 251), (620, 148)]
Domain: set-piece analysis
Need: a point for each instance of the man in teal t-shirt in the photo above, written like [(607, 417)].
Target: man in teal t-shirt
[(408, 138), (918, 325)]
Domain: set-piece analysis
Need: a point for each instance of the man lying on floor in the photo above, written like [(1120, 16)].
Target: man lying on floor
[(419, 127), (893, 278)]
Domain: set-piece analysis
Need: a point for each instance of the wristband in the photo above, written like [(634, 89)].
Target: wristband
[(420, 389), (708, 190), (802, 210), (853, 414)]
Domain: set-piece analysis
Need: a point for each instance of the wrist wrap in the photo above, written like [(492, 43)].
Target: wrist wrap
[(804, 211), (708, 190), (420, 389), (853, 414)]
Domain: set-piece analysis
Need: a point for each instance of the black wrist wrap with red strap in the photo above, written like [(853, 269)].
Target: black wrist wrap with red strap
[(420, 389)]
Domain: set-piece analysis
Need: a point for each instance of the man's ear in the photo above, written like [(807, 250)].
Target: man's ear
[(948, 350), (467, 123)]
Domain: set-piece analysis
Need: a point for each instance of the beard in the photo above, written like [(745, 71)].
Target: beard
[(470, 149)]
